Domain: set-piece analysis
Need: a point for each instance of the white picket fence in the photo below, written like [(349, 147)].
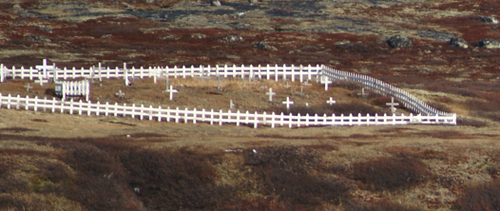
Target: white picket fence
[(213, 117), (270, 72)]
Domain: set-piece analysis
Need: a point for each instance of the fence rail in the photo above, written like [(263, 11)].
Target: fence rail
[(213, 117)]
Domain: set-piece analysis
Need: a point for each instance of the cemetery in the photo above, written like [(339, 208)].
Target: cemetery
[(241, 95)]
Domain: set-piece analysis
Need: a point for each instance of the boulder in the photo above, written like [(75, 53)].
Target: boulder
[(263, 45), (216, 3), (233, 38), (488, 19), (458, 42), (489, 43), (399, 41)]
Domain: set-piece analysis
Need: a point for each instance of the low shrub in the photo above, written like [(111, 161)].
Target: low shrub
[(388, 173), (470, 122), (480, 197)]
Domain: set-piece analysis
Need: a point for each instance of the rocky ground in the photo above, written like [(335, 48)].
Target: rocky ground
[(444, 52)]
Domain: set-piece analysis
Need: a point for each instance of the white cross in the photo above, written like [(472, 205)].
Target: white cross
[(362, 93), (218, 82), (326, 81), (286, 86), (120, 94), (231, 104), (287, 102), (41, 80), (172, 91), (45, 67), (166, 83), (392, 104), (306, 83), (28, 87), (270, 93), (331, 101)]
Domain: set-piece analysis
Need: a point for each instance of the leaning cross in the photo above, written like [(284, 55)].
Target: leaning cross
[(270, 93), (28, 87), (392, 104), (218, 82), (331, 101), (287, 102), (362, 93), (45, 67), (172, 91), (120, 94), (231, 104), (286, 86)]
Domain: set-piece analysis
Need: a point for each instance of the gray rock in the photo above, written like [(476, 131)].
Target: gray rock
[(399, 41), (170, 37), (487, 19), (233, 38), (37, 38), (263, 45), (458, 42), (198, 36), (16, 7), (489, 43), (216, 3)]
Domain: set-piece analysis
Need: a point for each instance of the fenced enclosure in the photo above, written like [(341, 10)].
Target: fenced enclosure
[(213, 117), (320, 73)]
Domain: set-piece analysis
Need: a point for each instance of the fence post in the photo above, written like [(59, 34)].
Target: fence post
[(89, 108), (272, 120), (220, 117), (26, 106), (238, 118), (255, 120), (194, 116)]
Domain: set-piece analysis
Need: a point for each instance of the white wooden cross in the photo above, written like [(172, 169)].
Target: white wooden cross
[(270, 93), (306, 83), (28, 87), (286, 86), (362, 93), (166, 82), (218, 82), (120, 94), (41, 80), (392, 104), (287, 102), (45, 67), (327, 81), (331, 101), (231, 104), (172, 91)]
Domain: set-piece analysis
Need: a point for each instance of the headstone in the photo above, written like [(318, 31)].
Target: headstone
[(392, 104), (287, 102), (399, 41), (120, 94), (270, 93), (28, 87), (172, 91), (363, 94), (331, 101)]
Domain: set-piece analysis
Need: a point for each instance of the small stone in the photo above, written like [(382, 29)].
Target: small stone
[(233, 38), (38, 38), (198, 36), (263, 45), (488, 19), (16, 7), (216, 3), (489, 43), (458, 42), (399, 41)]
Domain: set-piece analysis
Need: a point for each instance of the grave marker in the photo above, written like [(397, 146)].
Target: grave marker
[(270, 93), (28, 87), (362, 93), (231, 104), (306, 83), (44, 68), (41, 80), (331, 101), (286, 86), (172, 91), (287, 102), (392, 104), (120, 94)]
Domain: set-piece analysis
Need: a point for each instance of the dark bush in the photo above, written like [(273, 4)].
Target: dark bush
[(175, 179), (480, 197), (470, 122), (390, 173), (285, 172)]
